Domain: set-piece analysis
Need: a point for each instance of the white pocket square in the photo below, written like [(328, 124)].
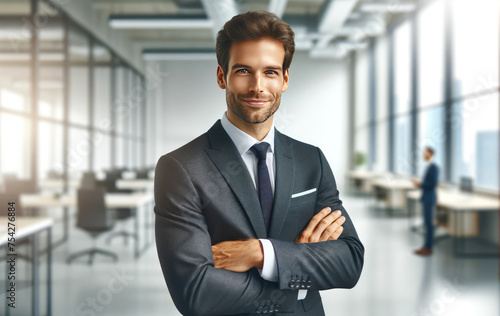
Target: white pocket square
[(303, 193)]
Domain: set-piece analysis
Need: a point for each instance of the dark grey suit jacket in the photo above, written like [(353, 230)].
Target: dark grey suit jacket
[(204, 195)]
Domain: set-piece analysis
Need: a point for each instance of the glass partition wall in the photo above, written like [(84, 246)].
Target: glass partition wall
[(90, 104)]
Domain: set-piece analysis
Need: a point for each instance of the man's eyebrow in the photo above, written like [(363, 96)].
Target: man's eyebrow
[(240, 66), (246, 66)]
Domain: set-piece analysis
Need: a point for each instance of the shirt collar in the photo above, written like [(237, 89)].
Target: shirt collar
[(242, 140)]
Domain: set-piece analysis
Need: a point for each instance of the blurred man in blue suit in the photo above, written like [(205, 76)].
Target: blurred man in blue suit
[(429, 198)]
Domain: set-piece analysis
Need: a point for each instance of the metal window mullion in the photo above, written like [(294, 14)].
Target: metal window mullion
[(390, 87), (34, 91), (414, 95)]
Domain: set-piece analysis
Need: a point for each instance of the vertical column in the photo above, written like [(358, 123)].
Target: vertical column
[(66, 90), (34, 91), (112, 101), (390, 97), (414, 154), (372, 103), (126, 118), (352, 109), (448, 91), (91, 101), (144, 106)]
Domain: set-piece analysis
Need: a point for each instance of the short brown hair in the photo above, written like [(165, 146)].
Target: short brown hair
[(430, 149), (254, 25)]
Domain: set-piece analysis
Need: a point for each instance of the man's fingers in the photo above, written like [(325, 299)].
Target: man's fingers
[(323, 225), (336, 234), (328, 231), (315, 220)]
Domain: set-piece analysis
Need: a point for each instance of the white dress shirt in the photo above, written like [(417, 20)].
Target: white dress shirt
[(243, 143)]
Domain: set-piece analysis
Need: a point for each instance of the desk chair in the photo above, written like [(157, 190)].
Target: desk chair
[(88, 181), (94, 218), (142, 173), (122, 214)]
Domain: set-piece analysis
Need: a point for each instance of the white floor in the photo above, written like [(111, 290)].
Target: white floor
[(394, 281)]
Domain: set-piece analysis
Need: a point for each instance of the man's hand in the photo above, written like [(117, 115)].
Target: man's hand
[(238, 255), (416, 183), (322, 227)]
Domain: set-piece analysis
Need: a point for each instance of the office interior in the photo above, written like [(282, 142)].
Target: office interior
[(93, 92)]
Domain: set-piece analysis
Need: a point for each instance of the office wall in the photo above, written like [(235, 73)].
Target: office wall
[(314, 109)]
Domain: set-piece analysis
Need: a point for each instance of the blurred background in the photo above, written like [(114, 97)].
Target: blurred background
[(93, 92)]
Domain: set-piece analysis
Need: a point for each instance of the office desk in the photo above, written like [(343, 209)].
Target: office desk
[(135, 184), (57, 184), (33, 201), (363, 180), (136, 201), (139, 202), (392, 191), (26, 227), (463, 209)]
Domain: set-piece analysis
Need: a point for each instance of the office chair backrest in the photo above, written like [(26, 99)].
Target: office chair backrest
[(92, 212), (5, 198), (88, 181), (142, 174)]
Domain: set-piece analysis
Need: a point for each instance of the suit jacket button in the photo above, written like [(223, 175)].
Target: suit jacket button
[(271, 308), (259, 310), (277, 307), (308, 284), (291, 284), (265, 309)]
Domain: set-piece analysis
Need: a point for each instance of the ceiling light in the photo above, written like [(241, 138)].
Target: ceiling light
[(159, 23), (169, 55), (389, 7)]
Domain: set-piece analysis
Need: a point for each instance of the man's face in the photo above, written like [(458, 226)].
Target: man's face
[(427, 155), (254, 80)]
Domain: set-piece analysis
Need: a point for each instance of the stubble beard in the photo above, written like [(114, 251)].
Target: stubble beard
[(252, 115)]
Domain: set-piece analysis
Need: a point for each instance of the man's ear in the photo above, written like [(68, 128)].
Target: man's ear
[(286, 77), (221, 79)]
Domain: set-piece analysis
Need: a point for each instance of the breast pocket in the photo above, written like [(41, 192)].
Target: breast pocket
[(303, 197), (300, 212)]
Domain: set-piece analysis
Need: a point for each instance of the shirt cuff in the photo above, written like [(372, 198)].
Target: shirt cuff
[(269, 271), (302, 295)]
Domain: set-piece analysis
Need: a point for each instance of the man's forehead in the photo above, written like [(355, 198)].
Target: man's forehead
[(263, 50)]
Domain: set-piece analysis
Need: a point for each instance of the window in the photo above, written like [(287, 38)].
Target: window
[(431, 54), (402, 68), (476, 34), (382, 105), (402, 157), (431, 133), (12, 100), (361, 112), (402, 99), (15, 141), (475, 140), (50, 151)]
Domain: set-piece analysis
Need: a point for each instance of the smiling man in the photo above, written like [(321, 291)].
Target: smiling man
[(249, 220)]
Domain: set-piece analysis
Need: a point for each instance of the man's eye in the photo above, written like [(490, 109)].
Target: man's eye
[(271, 72), (242, 71)]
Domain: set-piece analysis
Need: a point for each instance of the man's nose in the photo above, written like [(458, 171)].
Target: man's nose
[(256, 84)]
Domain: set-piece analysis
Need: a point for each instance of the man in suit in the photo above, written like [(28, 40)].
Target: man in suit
[(429, 198), (249, 220)]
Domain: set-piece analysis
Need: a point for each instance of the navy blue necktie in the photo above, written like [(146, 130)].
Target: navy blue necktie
[(264, 184)]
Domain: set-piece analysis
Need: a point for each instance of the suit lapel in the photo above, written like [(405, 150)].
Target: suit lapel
[(285, 177), (227, 159)]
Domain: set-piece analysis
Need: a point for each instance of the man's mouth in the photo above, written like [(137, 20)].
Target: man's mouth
[(256, 102)]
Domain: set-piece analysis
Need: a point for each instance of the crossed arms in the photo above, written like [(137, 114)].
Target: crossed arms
[(203, 281)]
